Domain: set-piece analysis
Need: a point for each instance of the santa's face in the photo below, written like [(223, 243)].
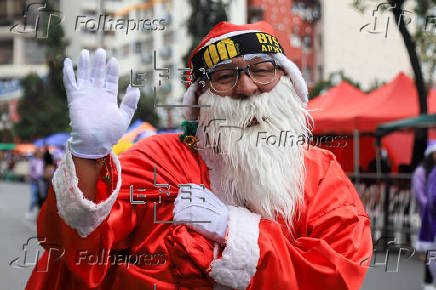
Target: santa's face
[(245, 169), (246, 86)]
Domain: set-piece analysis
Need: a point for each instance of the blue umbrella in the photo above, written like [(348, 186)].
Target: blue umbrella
[(169, 130), (57, 139), (39, 143)]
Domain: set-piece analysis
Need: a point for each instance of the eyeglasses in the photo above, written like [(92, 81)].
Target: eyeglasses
[(223, 80)]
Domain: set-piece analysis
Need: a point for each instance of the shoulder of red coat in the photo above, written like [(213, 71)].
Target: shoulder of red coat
[(162, 150), (157, 144), (166, 139), (318, 157)]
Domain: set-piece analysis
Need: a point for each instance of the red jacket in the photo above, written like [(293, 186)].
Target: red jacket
[(329, 242)]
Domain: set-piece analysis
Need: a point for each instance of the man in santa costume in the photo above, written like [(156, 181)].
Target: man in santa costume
[(234, 202)]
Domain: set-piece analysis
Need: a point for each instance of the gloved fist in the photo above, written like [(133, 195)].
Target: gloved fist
[(97, 122), (200, 204)]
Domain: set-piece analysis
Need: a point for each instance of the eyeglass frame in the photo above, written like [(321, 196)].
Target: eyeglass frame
[(207, 75)]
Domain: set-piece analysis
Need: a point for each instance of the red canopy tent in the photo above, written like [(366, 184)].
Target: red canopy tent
[(334, 100), (393, 101), (431, 101)]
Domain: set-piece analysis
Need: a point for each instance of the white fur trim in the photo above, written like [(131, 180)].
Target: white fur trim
[(240, 257), (295, 74), (77, 211), (189, 99)]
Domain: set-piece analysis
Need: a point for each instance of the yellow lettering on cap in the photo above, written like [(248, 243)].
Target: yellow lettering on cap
[(206, 58), (264, 48), (275, 41), (261, 37), (269, 38), (214, 54), (230, 46), (221, 46)]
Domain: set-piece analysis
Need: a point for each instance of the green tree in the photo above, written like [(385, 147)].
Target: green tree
[(421, 8), (322, 85), (426, 38), (204, 15), (43, 107), (319, 88)]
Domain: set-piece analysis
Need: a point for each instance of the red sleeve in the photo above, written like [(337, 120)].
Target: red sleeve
[(338, 240), (78, 255)]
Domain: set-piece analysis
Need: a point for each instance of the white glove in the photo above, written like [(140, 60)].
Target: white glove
[(202, 205), (96, 120)]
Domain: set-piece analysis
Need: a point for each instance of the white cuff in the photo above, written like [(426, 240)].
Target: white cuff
[(77, 211), (239, 259)]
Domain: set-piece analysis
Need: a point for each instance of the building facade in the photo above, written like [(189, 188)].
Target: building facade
[(293, 22), (20, 54)]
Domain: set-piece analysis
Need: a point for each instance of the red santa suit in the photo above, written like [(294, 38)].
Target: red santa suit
[(326, 249)]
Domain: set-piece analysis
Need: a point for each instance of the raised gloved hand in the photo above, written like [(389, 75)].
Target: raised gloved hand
[(202, 205), (96, 120)]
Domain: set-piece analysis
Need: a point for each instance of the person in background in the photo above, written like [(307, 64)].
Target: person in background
[(36, 178), (49, 168), (385, 165), (10, 159), (420, 181), (431, 212)]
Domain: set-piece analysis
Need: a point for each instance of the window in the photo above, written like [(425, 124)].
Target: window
[(137, 47), (6, 48), (126, 50), (307, 41), (295, 40), (109, 33), (168, 37), (147, 46)]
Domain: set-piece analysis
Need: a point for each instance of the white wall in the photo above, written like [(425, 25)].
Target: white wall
[(361, 55), (237, 11)]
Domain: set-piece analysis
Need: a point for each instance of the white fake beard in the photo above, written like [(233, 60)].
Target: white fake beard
[(267, 179)]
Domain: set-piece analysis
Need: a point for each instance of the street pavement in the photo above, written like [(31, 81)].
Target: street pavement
[(16, 231), (410, 273)]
